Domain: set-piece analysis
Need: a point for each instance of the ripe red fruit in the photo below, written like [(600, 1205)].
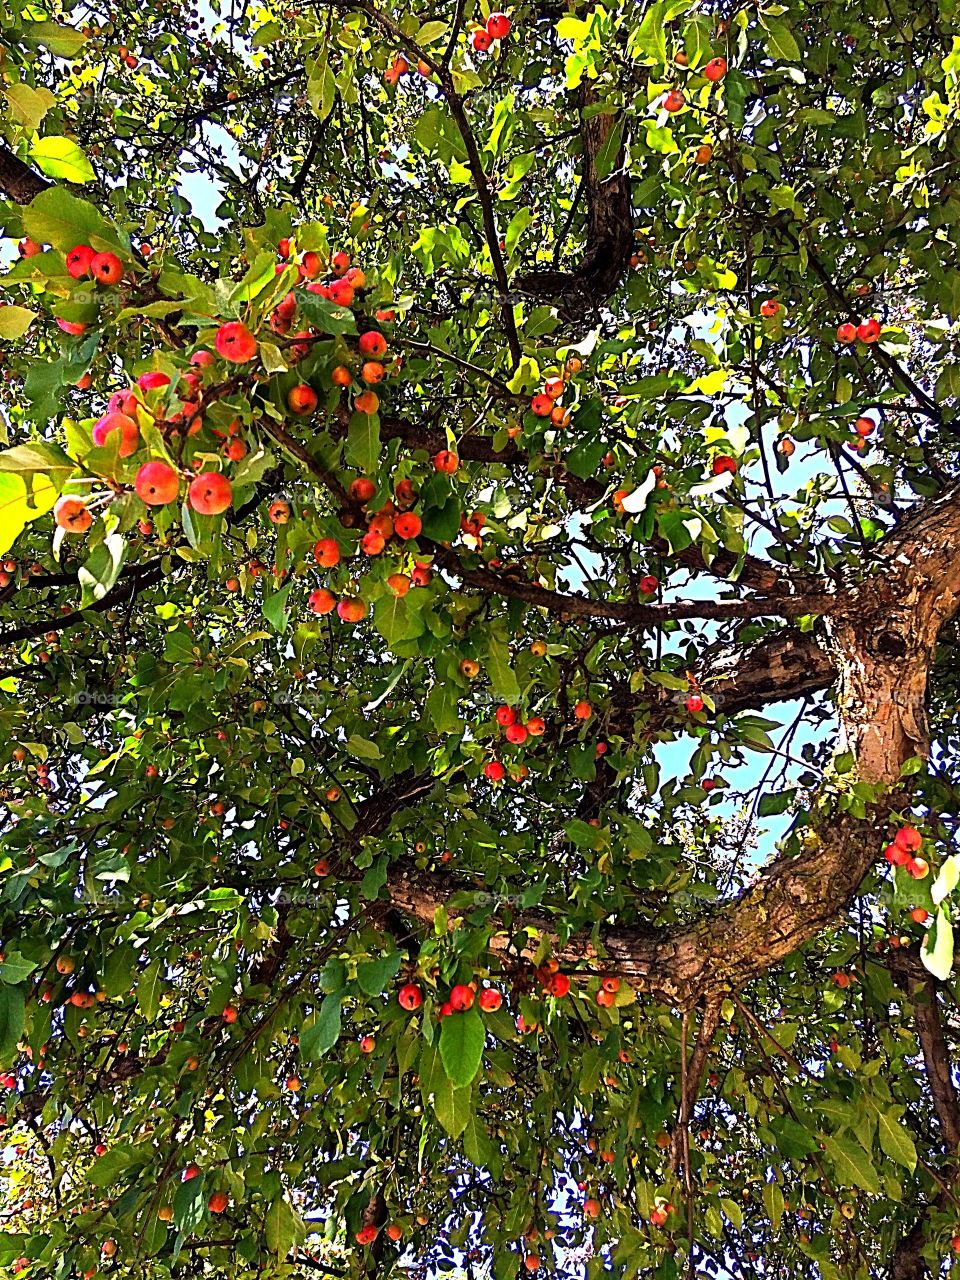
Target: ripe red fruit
[(367, 402), (129, 432), (715, 69), (367, 1044), (591, 1208), (310, 265), (536, 727), (490, 1000), (769, 308), (156, 483), (461, 997), (278, 512), (73, 327), (153, 378), (541, 405), (649, 584), (694, 703), (407, 525), (583, 710), (210, 493), (71, 515), (107, 268), (28, 248), (724, 463), (230, 1014), (516, 734), (326, 552), (78, 261), (532, 1262), (908, 838), (362, 489), (506, 716), (410, 997), (342, 293), (494, 771), (446, 461), (399, 584), (420, 575), (351, 610), (673, 101), (864, 427), (235, 342), (372, 372), (558, 985), (847, 332), (340, 262), (302, 399), (868, 330), (896, 855), (218, 1202), (919, 916), (191, 1171), (366, 1235), (372, 343), (481, 41), (372, 542), (321, 601), (918, 868), (498, 26)]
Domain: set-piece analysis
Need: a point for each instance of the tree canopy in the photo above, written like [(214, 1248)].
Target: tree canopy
[(478, 690)]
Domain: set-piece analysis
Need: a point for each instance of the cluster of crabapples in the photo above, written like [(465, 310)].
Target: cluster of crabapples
[(392, 524), (902, 853), (713, 71), (175, 407), (546, 402), (497, 27), (517, 731)]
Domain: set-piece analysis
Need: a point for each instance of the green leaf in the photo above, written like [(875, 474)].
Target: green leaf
[(441, 707), (12, 1015), (397, 619), (61, 158), (322, 1031), (780, 40), (453, 1106), (502, 676), (18, 506), (15, 321), (363, 442), (363, 748), (895, 1141), (321, 89), (462, 1037), (936, 953), (851, 1163), (101, 569), (282, 1227), (431, 32), (149, 990), (948, 877), (29, 105), (275, 609), (65, 42), (374, 976), (63, 220)]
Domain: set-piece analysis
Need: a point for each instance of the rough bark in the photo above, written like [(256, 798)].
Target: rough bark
[(609, 234), (881, 643), (18, 181)]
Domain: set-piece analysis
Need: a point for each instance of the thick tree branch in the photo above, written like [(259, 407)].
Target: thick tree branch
[(609, 233), (17, 180)]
